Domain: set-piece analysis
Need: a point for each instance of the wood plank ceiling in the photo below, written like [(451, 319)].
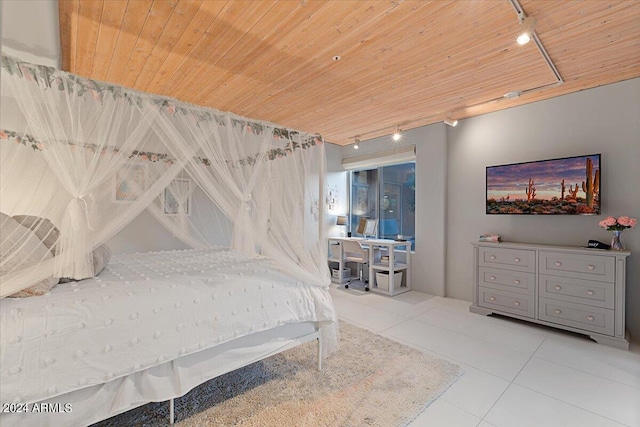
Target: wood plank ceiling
[(407, 63)]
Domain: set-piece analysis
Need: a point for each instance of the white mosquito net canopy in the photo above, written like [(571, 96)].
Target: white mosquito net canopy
[(80, 159)]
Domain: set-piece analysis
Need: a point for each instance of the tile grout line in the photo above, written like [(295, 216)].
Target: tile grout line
[(479, 339), (514, 378), (575, 406), (588, 373)]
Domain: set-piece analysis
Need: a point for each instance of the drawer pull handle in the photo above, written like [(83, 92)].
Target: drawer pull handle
[(558, 287), (590, 292), (517, 282), (590, 318), (492, 298), (517, 303), (493, 277), (558, 263), (517, 259), (556, 311), (493, 257), (590, 267)]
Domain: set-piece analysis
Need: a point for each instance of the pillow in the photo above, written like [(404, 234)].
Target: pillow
[(101, 257), (44, 229), (20, 247)]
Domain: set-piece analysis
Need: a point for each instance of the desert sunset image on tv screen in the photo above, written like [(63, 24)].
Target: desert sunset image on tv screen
[(569, 186)]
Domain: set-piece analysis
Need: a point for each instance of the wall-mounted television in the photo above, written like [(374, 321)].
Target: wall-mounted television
[(564, 186)]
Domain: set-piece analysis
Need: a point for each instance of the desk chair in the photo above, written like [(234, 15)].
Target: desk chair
[(354, 252)]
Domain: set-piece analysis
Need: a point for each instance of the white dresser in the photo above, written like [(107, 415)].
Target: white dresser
[(577, 289)]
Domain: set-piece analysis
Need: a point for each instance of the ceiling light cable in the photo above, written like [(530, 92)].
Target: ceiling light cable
[(522, 17), (507, 96)]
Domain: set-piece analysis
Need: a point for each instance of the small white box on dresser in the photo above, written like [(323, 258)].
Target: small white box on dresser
[(577, 289)]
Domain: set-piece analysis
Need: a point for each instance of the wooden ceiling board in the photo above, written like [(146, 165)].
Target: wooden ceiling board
[(407, 63), (363, 61), (132, 24), (68, 20), (232, 24), (159, 16), (240, 58), (112, 18), (90, 17), (175, 27), (246, 60), (186, 50), (294, 58)]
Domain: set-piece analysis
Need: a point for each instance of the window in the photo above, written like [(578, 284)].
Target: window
[(386, 193)]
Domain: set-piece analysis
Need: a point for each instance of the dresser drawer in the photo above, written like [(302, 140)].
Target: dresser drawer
[(509, 259), (514, 281), (579, 291), (588, 267), (579, 316), (509, 302)]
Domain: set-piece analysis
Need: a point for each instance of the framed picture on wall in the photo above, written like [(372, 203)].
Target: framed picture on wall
[(370, 227), (178, 192), (129, 183)]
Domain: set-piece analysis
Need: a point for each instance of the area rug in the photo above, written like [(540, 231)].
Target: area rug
[(369, 381)]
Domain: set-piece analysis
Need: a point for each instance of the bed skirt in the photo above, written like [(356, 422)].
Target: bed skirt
[(170, 380)]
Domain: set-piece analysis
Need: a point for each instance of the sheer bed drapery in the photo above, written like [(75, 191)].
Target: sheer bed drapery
[(91, 156)]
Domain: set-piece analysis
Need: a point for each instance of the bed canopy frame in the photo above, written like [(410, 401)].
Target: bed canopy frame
[(91, 156)]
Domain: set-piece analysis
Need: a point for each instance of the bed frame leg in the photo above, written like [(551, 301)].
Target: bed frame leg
[(320, 350), (171, 413)]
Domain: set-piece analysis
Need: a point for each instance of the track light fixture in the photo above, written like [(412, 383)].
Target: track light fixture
[(451, 122), (527, 26), (397, 134), (357, 143)]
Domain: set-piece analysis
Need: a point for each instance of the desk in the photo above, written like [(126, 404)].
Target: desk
[(375, 266)]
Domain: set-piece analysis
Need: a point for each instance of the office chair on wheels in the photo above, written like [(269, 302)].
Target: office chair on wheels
[(354, 252)]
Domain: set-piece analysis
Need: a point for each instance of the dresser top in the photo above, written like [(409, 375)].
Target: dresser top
[(556, 248)]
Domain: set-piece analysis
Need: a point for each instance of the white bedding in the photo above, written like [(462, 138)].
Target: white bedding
[(142, 311), (159, 383)]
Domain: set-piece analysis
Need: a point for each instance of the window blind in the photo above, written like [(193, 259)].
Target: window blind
[(381, 158)]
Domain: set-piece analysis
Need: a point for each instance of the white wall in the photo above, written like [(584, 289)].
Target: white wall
[(29, 31), (428, 263), (450, 181), (146, 234), (336, 178), (602, 120)]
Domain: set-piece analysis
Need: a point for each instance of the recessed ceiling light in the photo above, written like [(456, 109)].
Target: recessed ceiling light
[(337, 58), (513, 94)]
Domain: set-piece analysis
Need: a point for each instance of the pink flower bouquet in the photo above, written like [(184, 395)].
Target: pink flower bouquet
[(611, 223)]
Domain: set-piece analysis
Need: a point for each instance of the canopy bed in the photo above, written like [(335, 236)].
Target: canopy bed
[(79, 160)]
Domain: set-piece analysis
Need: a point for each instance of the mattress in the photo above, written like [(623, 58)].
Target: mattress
[(144, 310)]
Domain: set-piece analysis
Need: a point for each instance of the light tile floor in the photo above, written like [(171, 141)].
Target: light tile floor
[(516, 373)]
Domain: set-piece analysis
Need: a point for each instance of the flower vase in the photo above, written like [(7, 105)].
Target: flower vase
[(616, 243)]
